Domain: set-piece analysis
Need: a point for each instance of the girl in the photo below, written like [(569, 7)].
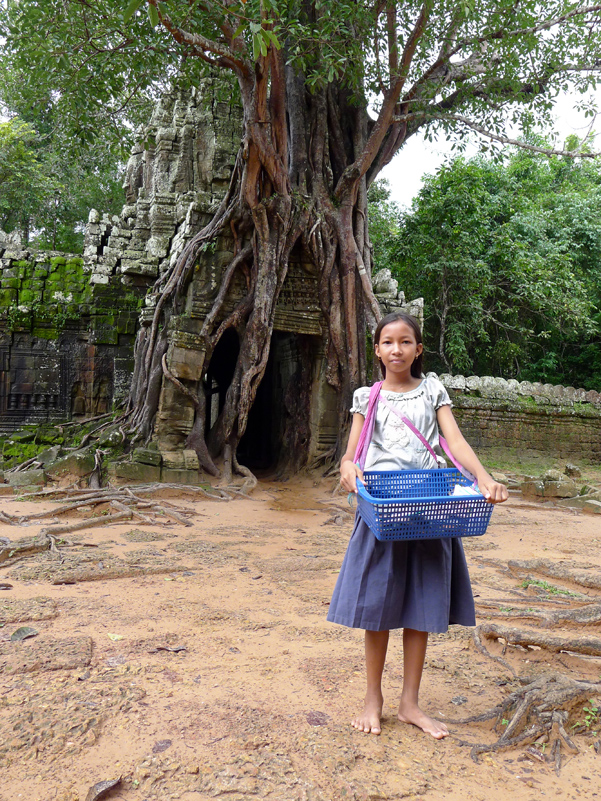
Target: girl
[(419, 585)]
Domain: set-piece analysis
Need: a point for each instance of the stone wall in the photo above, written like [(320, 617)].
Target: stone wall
[(66, 345), (529, 419)]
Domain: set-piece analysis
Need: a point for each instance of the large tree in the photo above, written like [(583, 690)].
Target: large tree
[(330, 93), (506, 256)]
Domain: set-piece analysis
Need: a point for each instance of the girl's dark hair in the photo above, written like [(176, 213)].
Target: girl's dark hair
[(401, 317)]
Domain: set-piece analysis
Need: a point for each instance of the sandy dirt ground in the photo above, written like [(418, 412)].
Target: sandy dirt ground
[(196, 662)]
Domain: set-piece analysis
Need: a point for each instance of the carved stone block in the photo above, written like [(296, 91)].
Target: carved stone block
[(185, 363)]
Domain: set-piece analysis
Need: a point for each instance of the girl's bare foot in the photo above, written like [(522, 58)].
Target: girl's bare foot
[(411, 713), (369, 720)]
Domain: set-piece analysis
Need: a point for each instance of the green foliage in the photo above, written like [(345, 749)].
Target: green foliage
[(487, 62), (46, 191), (23, 185), (384, 224), (544, 585), (507, 259)]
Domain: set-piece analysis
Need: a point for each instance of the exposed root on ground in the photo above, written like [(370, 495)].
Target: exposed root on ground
[(107, 494), (590, 646), (537, 715), (581, 573), (127, 503), (586, 615), (232, 467), (537, 712)]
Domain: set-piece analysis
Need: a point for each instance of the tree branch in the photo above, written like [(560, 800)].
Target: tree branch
[(226, 57), (360, 166), (505, 140)]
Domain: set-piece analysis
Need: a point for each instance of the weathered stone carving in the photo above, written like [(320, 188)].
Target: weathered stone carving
[(175, 177)]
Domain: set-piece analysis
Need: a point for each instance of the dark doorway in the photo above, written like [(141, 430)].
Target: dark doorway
[(257, 446), (220, 374)]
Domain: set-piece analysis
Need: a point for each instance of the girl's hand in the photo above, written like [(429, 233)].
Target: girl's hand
[(349, 474), (492, 490)]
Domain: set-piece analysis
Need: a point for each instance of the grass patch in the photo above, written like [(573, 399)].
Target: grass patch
[(550, 588)]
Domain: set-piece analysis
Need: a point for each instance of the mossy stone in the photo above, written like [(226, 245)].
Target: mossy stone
[(147, 456), (23, 436), (8, 297), (79, 463), (10, 283), (27, 478)]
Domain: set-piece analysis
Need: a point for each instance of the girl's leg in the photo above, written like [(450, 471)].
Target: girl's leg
[(376, 645), (414, 654)]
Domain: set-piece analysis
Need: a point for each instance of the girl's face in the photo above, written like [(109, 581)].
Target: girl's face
[(398, 347)]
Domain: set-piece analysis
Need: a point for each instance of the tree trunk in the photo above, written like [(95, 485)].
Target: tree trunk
[(281, 195)]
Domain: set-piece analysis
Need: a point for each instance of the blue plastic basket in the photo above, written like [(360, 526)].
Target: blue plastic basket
[(419, 505)]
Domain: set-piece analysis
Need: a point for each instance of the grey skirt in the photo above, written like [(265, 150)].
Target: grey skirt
[(415, 584)]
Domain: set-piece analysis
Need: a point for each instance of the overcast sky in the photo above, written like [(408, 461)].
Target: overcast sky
[(418, 158)]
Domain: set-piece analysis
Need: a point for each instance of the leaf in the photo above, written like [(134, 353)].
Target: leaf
[(131, 9), (161, 745), (256, 46), (238, 30), (153, 15), (101, 789), (23, 633), (274, 39)]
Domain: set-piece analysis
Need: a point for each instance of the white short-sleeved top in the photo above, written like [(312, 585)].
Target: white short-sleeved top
[(394, 446)]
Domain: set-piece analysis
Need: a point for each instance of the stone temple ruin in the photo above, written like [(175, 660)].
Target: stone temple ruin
[(79, 361), (67, 323)]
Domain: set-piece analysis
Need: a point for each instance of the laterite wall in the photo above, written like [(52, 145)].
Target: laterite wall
[(527, 418)]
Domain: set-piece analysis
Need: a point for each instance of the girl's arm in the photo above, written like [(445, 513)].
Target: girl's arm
[(491, 489), (349, 471)]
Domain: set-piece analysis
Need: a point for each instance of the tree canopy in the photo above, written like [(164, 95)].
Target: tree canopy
[(23, 184), (507, 257), (453, 67)]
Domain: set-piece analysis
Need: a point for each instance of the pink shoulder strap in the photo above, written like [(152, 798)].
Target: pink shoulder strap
[(368, 426)]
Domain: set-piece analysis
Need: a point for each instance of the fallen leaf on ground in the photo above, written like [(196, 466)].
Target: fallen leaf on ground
[(102, 789), (23, 633), (161, 745)]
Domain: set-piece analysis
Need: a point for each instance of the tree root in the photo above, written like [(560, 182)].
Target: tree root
[(250, 480), (14, 551), (83, 493), (94, 522), (587, 615), (540, 709), (127, 504), (590, 646), (578, 573)]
